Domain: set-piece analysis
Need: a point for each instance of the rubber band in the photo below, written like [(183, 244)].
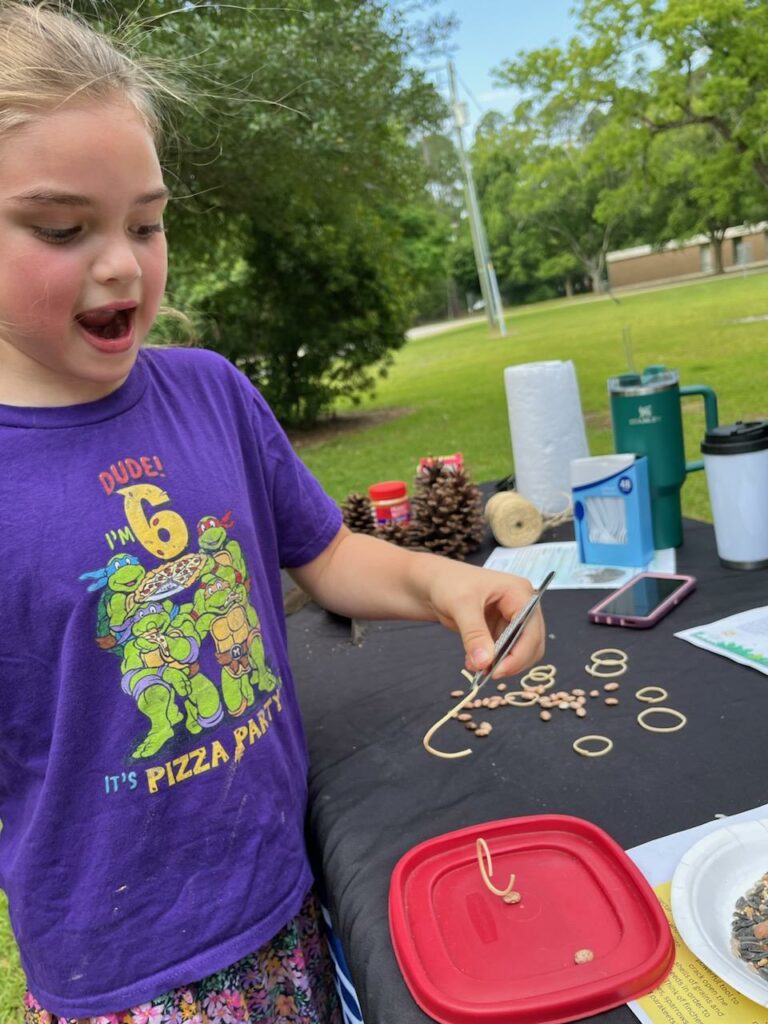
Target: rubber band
[(592, 671), (544, 685), (482, 851), (539, 675), (541, 672), (594, 753), (609, 650), (537, 679), (534, 698), (609, 661), (641, 694), (668, 711), (467, 675), (454, 711)]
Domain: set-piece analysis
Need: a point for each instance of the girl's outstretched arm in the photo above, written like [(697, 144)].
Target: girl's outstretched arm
[(361, 576)]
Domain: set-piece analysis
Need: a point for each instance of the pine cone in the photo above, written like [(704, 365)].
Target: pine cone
[(357, 513), (447, 512), (431, 473), (395, 533)]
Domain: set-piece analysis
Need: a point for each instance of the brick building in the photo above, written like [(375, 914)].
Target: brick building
[(743, 246)]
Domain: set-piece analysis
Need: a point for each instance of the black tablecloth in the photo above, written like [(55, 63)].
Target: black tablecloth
[(375, 792)]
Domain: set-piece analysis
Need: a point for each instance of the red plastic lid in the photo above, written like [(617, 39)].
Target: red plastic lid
[(387, 490), (470, 958)]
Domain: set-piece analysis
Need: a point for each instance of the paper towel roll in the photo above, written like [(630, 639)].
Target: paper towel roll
[(547, 430)]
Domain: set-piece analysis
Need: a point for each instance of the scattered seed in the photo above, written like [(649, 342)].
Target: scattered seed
[(581, 712), (545, 715), (611, 686), (563, 705), (578, 693), (583, 956), (511, 897), (594, 693), (457, 693), (611, 700), (486, 725), (464, 717), (501, 687), (470, 725)]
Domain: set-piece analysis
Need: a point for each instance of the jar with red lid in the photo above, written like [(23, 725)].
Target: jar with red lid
[(390, 502)]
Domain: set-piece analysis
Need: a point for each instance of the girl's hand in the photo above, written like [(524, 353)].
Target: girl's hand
[(478, 604)]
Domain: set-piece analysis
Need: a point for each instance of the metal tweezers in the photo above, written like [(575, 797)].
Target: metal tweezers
[(501, 649), (511, 634)]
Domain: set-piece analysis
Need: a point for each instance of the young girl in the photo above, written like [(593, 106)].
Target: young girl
[(152, 759)]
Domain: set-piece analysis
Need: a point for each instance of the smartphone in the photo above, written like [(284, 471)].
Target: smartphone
[(643, 601)]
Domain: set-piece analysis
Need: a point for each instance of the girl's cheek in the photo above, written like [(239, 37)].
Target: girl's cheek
[(155, 275), (42, 283)]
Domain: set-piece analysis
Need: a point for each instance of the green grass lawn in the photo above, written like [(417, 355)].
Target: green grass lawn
[(452, 387), (452, 384)]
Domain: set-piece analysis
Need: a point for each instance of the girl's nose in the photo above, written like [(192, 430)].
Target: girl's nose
[(116, 261)]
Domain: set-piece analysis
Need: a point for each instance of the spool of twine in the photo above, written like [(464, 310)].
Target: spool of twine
[(513, 520)]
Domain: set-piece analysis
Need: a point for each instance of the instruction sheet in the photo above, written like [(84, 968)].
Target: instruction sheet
[(742, 638), (534, 561)]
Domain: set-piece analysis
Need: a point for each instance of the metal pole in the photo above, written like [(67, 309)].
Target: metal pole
[(486, 274)]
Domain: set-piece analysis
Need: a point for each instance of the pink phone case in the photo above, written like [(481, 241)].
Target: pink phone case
[(605, 618)]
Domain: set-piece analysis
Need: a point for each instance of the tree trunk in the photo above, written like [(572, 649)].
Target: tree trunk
[(568, 286), (717, 254), (454, 307)]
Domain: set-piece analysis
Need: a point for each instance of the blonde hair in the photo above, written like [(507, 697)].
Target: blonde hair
[(49, 56)]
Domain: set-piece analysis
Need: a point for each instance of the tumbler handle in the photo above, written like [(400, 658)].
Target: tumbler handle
[(710, 415)]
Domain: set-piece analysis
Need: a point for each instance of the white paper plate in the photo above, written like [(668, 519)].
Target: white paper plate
[(706, 884)]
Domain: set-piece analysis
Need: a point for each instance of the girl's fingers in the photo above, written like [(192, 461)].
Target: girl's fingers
[(479, 645)]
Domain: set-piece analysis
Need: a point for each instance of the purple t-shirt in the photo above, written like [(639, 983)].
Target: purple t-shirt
[(152, 758)]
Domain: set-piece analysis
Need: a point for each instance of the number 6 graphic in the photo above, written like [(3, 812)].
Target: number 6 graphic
[(164, 533)]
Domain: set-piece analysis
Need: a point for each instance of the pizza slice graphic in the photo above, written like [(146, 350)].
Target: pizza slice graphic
[(169, 579)]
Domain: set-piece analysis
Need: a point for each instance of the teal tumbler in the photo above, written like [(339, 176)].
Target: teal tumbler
[(647, 420)]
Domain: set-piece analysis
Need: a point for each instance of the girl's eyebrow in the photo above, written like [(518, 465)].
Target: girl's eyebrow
[(45, 197)]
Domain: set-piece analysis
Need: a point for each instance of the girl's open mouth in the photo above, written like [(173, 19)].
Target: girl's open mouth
[(109, 329), (107, 324)]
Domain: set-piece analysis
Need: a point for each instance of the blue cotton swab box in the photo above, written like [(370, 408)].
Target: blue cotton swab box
[(612, 510)]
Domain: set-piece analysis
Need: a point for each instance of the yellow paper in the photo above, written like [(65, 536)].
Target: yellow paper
[(692, 994)]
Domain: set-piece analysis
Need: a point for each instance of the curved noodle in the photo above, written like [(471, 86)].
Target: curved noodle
[(454, 711)]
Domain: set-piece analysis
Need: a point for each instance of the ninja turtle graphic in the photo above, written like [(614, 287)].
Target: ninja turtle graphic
[(120, 577), (159, 656), (221, 609), (159, 664)]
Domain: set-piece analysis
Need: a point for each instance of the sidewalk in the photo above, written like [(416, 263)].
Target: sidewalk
[(427, 330)]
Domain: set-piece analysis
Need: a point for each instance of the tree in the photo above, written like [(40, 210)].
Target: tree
[(659, 107), (705, 196), (662, 65), (292, 163), (542, 195)]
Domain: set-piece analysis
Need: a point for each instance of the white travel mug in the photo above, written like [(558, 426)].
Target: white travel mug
[(736, 465)]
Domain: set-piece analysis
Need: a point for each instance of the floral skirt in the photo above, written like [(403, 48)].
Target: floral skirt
[(290, 980)]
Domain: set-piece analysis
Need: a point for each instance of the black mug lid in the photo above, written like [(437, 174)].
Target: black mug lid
[(736, 438)]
